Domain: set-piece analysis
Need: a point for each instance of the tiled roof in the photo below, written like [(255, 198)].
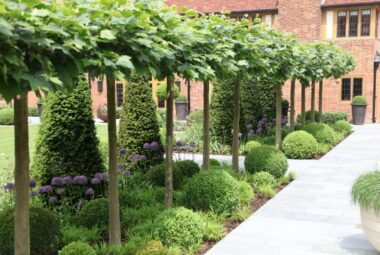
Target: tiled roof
[(348, 2), (226, 5)]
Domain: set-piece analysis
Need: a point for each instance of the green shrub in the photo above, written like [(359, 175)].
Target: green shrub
[(266, 159), (241, 214), (321, 132), (250, 145), (181, 99), (308, 116), (212, 190), (153, 248), (179, 227), (162, 94), (188, 168), (67, 143), (246, 192), (119, 112), (262, 179), (195, 117), (214, 162), (214, 228), (332, 117), (144, 197), (45, 233), (323, 148), (300, 145), (139, 125), (6, 116), (365, 191), (359, 100), (266, 191), (343, 127), (72, 234), (77, 248), (156, 176), (161, 116), (284, 102), (33, 112), (135, 217)]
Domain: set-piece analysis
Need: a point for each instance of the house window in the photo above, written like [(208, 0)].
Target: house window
[(351, 87), (354, 22), (342, 21), (366, 22), (161, 103), (119, 94), (100, 85)]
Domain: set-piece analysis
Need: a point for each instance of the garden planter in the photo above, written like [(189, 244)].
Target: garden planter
[(102, 112), (181, 110), (358, 114), (40, 108), (371, 227)]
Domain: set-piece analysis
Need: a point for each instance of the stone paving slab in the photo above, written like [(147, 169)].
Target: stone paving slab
[(313, 215)]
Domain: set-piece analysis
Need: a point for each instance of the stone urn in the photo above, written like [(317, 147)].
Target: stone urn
[(102, 113), (371, 226)]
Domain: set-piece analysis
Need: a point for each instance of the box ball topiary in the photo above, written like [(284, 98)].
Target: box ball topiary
[(359, 100), (262, 179), (266, 158), (179, 227), (214, 162), (343, 127), (188, 168), (153, 247), (321, 132), (45, 232), (300, 145), (156, 176), (77, 248), (6, 116), (195, 117), (250, 145), (246, 192), (214, 190)]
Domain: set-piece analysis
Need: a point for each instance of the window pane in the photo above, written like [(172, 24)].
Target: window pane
[(346, 89), (366, 22), (342, 21), (161, 103), (358, 87), (178, 83), (100, 85), (354, 18), (119, 94)]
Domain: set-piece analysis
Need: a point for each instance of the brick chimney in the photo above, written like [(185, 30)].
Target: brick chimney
[(302, 17)]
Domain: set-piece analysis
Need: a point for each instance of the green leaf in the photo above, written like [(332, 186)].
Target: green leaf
[(107, 34), (125, 61)]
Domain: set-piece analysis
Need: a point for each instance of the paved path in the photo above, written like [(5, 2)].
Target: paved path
[(314, 214)]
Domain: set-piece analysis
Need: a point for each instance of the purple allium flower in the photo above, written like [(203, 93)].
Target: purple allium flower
[(32, 183), (33, 193), (249, 126), (101, 176), (154, 146), (46, 189), (251, 133), (95, 181), (123, 151), (80, 180), (127, 173), (147, 146), (120, 166), (180, 144), (53, 200), (259, 131), (8, 186), (90, 192), (67, 180), (57, 181), (192, 144), (136, 157), (60, 191)]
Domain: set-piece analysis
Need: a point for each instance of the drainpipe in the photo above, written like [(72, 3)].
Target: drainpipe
[(188, 96), (375, 68)]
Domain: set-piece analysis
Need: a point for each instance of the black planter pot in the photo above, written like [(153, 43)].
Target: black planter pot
[(181, 110), (358, 114), (40, 108)]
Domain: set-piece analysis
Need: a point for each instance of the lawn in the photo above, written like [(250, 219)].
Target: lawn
[(7, 147)]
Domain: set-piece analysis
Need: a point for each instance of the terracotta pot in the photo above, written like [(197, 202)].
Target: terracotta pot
[(358, 114), (371, 227), (102, 112), (181, 110)]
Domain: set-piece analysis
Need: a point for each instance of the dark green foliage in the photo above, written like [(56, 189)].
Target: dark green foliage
[(156, 176), (343, 127), (332, 117), (45, 233), (214, 163), (32, 112), (321, 132), (188, 168), (246, 192), (359, 100), (81, 234), (284, 102), (179, 227), (267, 159), (260, 179), (212, 190), (6, 116), (195, 117), (153, 248), (308, 116), (67, 142), (77, 248), (135, 217), (138, 197), (300, 145), (139, 125)]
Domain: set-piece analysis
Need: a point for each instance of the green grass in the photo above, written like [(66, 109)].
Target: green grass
[(7, 147)]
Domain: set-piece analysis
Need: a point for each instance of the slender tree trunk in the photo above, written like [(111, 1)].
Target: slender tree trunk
[(169, 144), (278, 116), (320, 101), (292, 101), (206, 125), (236, 122), (303, 105), (312, 101), (113, 192), (21, 219)]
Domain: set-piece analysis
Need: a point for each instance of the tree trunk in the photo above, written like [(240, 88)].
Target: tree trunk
[(206, 125), (312, 116), (21, 219), (113, 192), (169, 144), (320, 101), (278, 116), (303, 105), (235, 141), (292, 101)]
